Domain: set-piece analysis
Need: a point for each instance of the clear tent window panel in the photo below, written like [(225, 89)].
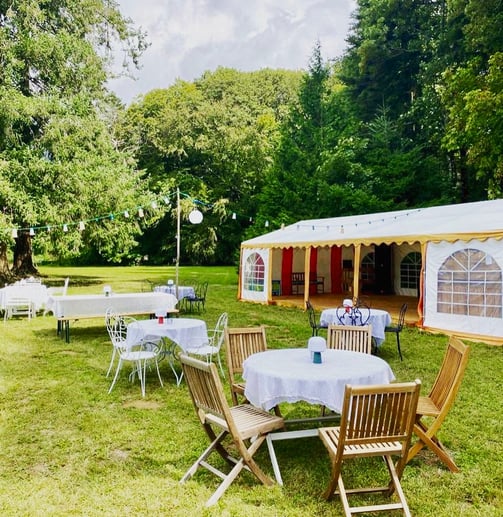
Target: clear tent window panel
[(367, 268), (254, 273), (469, 283), (410, 270)]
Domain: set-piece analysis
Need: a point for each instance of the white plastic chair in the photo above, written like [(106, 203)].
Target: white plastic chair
[(133, 350), (58, 291), (19, 306), (211, 348)]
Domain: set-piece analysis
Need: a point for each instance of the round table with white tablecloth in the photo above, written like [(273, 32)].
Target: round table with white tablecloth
[(378, 318), (289, 375), (181, 332)]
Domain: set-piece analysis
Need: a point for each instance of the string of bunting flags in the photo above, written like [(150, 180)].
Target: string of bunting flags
[(139, 211), (167, 199)]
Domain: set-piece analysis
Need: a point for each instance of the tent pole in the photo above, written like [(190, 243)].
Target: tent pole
[(307, 273), (356, 273)]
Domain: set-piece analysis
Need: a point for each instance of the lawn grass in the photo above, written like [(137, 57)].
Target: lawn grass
[(70, 448)]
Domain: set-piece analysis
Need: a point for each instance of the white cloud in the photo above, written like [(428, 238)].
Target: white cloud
[(189, 37)]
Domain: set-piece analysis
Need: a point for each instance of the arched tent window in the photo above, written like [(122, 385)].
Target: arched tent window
[(469, 283), (410, 270), (254, 273), (367, 272)]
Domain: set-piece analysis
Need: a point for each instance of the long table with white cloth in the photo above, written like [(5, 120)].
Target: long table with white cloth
[(35, 292), (81, 306)]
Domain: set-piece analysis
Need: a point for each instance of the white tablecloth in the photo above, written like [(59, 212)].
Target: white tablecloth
[(96, 305), (33, 291), (184, 291), (379, 319), (182, 331), (289, 375)]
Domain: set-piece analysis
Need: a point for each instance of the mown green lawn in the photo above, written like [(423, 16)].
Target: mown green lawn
[(70, 448)]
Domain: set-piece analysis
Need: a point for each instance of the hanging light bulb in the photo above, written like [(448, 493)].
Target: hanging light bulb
[(32, 232), (126, 214), (82, 226), (154, 205), (196, 216), (65, 227), (166, 200), (14, 233), (140, 212), (49, 228), (234, 215), (266, 224)]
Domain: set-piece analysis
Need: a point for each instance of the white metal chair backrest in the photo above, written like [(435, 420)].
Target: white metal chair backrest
[(218, 333), (117, 327)]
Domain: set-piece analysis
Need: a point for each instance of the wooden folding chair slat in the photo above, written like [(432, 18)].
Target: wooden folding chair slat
[(350, 337), (240, 343), (239, 422), (439, 401), (375, 421)]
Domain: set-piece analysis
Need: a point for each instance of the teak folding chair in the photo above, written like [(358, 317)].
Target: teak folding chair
[(375, 421), (350, 337), (240, 343), (437, 404), (240, 423)]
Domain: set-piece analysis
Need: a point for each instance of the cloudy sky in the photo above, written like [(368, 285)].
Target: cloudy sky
[(188, 37)]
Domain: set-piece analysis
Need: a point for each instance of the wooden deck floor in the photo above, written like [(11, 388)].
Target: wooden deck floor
[(391, 304)]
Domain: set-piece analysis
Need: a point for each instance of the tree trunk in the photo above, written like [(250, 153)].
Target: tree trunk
[(23, 256), (6, 276)]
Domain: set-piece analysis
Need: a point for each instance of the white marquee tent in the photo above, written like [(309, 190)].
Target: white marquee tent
[(450, 257)]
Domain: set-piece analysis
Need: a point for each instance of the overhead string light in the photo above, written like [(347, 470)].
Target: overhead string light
[(342, 228)]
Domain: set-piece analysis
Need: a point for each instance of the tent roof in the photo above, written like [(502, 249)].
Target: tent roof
[(480, 220)]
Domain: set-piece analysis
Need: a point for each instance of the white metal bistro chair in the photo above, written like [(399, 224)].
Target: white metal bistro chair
[(133, 350), (210, 348)]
